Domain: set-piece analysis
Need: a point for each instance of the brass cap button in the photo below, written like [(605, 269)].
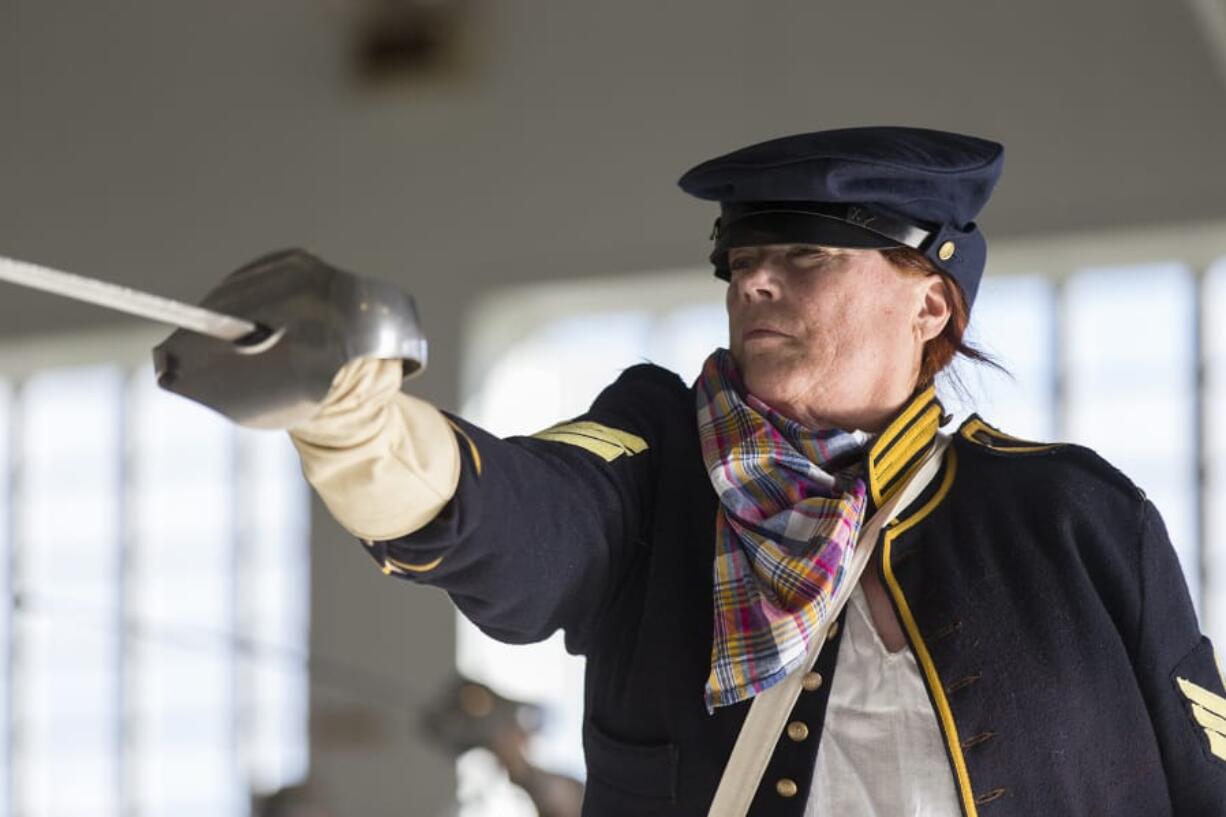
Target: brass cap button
[(947, 251), (812, 681), (798, 731), (833, 632), (786, 787)]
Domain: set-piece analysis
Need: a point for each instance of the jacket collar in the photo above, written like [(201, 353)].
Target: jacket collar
[(899, 449)]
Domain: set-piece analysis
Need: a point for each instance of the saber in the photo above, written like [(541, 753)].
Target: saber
[(125, 299), (301, 321)]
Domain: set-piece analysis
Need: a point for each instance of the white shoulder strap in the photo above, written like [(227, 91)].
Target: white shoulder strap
[(769, 710)]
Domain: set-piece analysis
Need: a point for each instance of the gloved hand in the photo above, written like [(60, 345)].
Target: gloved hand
[(384, 463), (318, 316)]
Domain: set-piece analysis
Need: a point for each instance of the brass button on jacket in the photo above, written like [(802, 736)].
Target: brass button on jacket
[(798, 731), (786, 787), (812, 681)]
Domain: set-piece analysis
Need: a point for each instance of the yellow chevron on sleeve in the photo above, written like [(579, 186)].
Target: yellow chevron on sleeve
[(603, 441), (1209, 711), (1199, 695), (1208, 720), (1217, 744)]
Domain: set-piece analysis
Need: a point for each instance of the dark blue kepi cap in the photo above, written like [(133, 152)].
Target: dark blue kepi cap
[(872, 187)]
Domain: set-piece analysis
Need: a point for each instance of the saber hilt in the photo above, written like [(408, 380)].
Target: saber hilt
[(324, 318)]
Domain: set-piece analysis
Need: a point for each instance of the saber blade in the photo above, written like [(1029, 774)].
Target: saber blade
[(124, 299)]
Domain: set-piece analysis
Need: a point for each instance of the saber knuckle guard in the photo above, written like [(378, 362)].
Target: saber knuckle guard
[(313, 319)]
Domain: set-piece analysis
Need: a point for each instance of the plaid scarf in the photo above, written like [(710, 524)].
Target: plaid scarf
[(785, 533)]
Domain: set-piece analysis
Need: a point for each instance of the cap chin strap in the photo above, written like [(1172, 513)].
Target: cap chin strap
[(889, 227), (895, 229)]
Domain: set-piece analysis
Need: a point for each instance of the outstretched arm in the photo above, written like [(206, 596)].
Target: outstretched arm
[(527, 534)]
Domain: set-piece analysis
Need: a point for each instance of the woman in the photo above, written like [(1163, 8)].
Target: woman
[(1022, 641)]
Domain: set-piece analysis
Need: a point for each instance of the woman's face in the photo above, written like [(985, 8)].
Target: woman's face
[(829, 336)]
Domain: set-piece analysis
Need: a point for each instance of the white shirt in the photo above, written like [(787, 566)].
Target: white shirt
[(881, 752)]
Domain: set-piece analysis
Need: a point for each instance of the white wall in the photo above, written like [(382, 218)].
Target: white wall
[(161, 143)]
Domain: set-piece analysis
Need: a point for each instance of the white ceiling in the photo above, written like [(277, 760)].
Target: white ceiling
[(162, 142)]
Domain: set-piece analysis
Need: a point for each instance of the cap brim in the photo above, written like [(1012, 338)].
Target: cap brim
[(766, 227)]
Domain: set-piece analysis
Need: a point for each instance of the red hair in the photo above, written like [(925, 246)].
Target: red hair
[(940, 351)]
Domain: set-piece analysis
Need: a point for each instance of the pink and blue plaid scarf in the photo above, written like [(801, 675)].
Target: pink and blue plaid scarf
[(791, 507)]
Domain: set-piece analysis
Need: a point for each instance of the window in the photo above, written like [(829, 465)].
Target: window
[(67, 579), (1213, 493), (1131, 393), (1014, 321), (157, 563)]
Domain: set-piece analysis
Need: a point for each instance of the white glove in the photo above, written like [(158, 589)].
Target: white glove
[(384, 463)]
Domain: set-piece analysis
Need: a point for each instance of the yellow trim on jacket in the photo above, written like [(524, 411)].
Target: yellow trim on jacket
[(472, 446), (935, 688), (391, 565), (900, 442), (976, 431)]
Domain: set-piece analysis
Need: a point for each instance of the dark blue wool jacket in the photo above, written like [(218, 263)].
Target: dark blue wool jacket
[(1035, 583)]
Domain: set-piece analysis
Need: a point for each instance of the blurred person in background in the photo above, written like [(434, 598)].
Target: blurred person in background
[(470, 715), (291, 801), (1021, 641)]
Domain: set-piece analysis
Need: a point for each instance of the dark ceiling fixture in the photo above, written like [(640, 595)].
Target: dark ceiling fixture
[(396, 38)]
